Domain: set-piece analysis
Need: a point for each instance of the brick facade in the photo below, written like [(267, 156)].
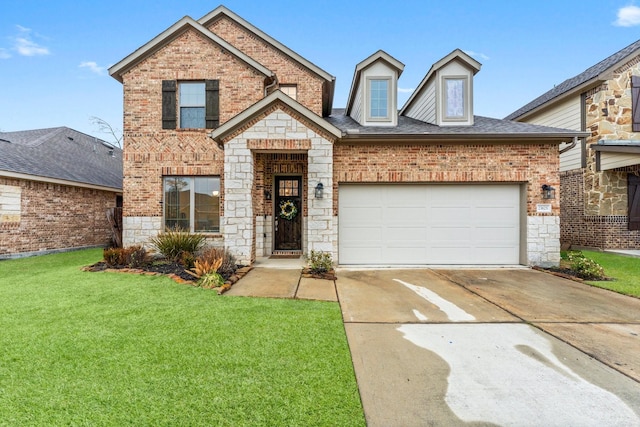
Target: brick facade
[(55, 216)]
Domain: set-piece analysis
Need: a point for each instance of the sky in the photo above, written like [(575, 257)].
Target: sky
[(55, 54)]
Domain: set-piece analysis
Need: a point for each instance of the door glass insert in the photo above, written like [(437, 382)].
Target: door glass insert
[(288, 188)]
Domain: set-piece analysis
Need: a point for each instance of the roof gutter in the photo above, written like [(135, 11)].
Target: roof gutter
[(554, 137), (570, 146)]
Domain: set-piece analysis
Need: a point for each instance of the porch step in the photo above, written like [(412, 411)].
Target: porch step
[(286, 255)]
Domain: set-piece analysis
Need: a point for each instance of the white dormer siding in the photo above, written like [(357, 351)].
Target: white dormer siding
[(445, 95), (373, 98)]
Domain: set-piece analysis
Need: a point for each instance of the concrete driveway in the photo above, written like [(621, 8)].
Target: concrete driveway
[(491, 347)]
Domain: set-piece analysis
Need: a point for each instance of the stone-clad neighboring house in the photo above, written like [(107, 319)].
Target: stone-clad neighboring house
[(230, 133), (56, 185), (600, 174)]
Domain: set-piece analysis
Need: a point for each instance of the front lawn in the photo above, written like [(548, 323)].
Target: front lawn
[(100, 349), (623, 269)]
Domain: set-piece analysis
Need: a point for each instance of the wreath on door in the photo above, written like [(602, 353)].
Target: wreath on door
[(288, 210)]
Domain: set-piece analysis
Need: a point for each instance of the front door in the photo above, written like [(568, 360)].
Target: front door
[(288, 215)]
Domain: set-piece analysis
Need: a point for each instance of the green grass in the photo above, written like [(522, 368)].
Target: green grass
[(624, 270), (112, 349)]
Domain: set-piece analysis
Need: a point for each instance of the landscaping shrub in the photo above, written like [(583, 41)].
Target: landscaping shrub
[(228, 266), (176, 243), (320, 262), (133, 256), (584, 267)]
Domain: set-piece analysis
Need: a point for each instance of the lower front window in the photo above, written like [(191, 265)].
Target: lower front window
[(192, 203)]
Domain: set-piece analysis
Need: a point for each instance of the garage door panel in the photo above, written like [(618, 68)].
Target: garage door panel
[(429, 224)]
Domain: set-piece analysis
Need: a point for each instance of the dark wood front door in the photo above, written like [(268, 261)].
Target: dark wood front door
[(288, 215)]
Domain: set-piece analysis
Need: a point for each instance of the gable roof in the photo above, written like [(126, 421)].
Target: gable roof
[(256, 109), (456, 54), (380, 55), (164, 38), (590, 77), (483, 129), (328, 89), (61, 154), (221, 10)]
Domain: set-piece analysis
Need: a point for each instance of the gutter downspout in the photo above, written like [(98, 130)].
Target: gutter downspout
[(269, 86), (569, 147)]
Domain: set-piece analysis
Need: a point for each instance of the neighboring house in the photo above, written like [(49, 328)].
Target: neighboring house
[(229, 132), (55, 188), (599, 178)]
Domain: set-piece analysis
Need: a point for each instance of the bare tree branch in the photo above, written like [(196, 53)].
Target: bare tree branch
[(105, 127)]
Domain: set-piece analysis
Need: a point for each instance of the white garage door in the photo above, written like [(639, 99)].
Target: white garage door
[(392, 224)]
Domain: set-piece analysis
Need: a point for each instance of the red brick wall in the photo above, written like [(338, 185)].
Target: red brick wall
[(309, 92), (151, 152), (55, 216), (535, 164)]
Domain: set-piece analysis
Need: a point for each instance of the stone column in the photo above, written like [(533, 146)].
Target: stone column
[(320, 230), (237, 223)]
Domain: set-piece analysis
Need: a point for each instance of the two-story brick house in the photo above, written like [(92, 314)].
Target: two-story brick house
[(599, 176), (229, 132)]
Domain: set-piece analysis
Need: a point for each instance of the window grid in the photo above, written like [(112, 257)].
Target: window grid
[(192, 105)]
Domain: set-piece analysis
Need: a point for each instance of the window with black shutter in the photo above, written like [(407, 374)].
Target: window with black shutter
[(633, 193), (635, 102), (190, 105)]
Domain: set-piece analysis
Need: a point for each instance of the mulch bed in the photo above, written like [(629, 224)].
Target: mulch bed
[(567, 273), (329, 275), (173, 270)]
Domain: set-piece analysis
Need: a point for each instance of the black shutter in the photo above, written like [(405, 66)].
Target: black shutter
[(633, 192), (635, 102), (212, 104), (169, 104)]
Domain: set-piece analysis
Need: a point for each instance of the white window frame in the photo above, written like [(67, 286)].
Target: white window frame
[(464, 101), (181, 105), (291, 90), (389, 116)]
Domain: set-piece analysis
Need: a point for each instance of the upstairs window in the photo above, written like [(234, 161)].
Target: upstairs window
[(455, 102), (379, 99), (290, 90), (192, 105), (195, 104)]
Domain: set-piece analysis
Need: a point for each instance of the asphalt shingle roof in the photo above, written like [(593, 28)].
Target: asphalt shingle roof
[(412, 127), (588, 74), (61, 153)]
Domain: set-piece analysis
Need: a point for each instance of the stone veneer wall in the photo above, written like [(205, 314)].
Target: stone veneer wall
[(606, 191), (55, 216), (278, 128), (528, 164)]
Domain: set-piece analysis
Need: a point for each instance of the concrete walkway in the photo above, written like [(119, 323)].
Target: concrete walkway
[(281, 278)]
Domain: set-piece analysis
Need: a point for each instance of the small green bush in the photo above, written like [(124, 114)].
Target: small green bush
[(320, 262), (173, 243), (211, 280), (584, 267)]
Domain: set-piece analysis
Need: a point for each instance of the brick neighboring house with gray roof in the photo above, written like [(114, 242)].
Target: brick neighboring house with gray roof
[(230, 133), (56, 185), (599, 175)]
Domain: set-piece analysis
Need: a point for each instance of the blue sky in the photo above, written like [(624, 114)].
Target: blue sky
[(54, 55)]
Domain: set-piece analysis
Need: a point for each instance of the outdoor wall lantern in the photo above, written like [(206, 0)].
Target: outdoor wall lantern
[(319, 191), (548, 192), (267, 194)]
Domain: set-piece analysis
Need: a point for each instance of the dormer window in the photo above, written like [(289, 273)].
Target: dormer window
[(454, 94), (379, 99)]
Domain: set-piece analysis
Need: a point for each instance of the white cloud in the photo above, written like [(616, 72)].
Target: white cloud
[(477, 54), (93, 67), (4, 53), (405, 90), (628, 16), (25, 46)]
